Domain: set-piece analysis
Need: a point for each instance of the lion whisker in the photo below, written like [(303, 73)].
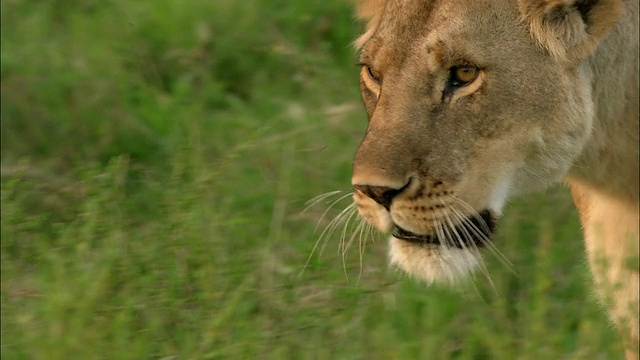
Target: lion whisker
[(316, 199), (485, 240), (362, 243), (347, 244), (329, 208), (441, 232), (472, 212), (331, 227), (342, 246), (482, 264)]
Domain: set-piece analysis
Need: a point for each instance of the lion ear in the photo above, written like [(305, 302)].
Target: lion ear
[(570, 29), (370, 11)]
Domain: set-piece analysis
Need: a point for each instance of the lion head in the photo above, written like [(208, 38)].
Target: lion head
[(469, 103)]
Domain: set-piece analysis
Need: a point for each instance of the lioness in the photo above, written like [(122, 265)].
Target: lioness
[(471, 102)]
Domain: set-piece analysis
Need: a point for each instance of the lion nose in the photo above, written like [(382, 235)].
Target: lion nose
[(381, 194)]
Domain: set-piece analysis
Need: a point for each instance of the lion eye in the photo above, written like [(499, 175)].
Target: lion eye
[(463, 75), (374, 75)]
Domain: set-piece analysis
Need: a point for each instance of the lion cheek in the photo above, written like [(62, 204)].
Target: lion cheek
[(373, 213), (380, 219)]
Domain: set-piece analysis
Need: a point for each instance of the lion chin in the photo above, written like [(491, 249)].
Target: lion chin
[(446, 255), (433, 263)]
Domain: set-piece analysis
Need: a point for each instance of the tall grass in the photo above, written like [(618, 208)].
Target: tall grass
[(156, 161)]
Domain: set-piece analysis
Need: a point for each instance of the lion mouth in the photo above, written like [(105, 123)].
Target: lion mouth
[(474, 231)]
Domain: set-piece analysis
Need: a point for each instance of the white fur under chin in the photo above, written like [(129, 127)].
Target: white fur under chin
[(433, 263)]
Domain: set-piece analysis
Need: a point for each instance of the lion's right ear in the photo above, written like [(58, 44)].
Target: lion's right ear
[(370, 11), (570, 29)]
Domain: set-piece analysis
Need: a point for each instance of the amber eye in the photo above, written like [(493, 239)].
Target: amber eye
[(374, 75), (463, 75)]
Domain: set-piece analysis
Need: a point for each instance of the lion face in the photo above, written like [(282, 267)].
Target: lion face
[(466, 109)]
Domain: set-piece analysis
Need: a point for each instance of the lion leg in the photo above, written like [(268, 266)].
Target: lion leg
[(611, 238)]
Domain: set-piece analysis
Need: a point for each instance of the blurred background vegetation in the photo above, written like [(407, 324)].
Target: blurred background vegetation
[(157, 156)]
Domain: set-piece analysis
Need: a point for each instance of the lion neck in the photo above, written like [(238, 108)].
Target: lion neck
[(609, 161)]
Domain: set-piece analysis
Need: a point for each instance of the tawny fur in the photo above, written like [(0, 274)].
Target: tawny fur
[(556, 99)]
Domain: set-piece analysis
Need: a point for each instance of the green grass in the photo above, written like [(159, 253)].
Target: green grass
[(156, 161)]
